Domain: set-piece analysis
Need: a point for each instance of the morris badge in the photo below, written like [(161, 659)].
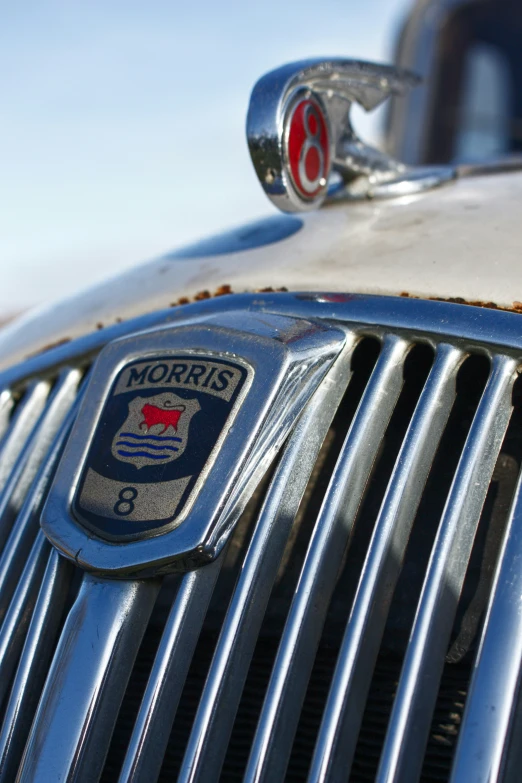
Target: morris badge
[(176, 429), (152, 444)]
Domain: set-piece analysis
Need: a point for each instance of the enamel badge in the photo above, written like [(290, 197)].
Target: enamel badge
[(161, 422)]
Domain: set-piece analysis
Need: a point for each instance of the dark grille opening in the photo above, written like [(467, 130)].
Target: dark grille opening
[(362, 364), (416, 370), (446, 721), (473, 602), (30, 448), (234, 556), (188, 706), (471, 381)]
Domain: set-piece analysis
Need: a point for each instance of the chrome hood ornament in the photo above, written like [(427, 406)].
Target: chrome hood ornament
[(302, 142), (177, 427)]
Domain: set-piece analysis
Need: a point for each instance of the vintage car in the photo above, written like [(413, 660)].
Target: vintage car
[(260, 508)]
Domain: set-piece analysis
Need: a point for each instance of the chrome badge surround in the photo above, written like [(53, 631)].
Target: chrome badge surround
[(178, 517)]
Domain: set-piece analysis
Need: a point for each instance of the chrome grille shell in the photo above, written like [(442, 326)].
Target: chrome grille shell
[(34, 580)]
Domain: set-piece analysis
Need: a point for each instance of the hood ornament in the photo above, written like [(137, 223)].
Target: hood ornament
[(302, 142), (177, 427)]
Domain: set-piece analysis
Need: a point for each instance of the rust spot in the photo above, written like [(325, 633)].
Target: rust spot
[(515, 308), (471, 302), (223, 290), (202, 295)]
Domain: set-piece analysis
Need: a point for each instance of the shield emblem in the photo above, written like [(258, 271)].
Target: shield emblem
[(155, 431), (161, 423)]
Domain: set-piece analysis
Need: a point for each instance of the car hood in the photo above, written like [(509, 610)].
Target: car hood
[(459, 241)]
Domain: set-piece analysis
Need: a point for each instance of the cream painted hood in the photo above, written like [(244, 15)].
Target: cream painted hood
[(461, 240)]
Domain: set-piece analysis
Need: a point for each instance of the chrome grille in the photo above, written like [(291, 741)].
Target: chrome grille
[(336, 637)]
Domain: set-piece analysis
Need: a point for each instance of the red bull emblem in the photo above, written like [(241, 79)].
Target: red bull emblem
[(153, 415), (155, 431)]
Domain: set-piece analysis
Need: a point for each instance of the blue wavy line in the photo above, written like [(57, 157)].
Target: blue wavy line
[(141, 437), (146, 445), (142, 454)]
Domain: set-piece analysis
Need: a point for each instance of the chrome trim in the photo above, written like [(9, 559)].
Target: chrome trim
[(16, 620), (160, 701), (493, 698), (35, 449), (34, 664), (412, 182), (6, 407), (349, 168), (479, 328), (284, 697), (12, 458), (85, 686), (401, 758), (220, 698), (26, 527), (343, 712)]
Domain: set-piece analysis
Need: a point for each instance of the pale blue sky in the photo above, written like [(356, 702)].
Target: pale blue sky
[(122, 124)]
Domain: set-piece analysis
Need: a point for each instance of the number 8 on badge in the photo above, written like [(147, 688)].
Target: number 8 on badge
[(307, 147)]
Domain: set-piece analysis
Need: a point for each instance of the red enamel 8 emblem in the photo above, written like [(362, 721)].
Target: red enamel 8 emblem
[(308, 148)]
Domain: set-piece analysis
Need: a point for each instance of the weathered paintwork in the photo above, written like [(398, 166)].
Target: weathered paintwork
[(461, 240)]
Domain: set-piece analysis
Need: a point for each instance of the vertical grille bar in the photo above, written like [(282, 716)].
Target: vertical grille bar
[(410, 720), (73, 726), (280, 714), (38, 443), (159, 704), (20, 580), (24, 419), (222, 692), (492, 699), (34, 664), (348, 691), (22, 535), (6, 406), (14, 627)]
